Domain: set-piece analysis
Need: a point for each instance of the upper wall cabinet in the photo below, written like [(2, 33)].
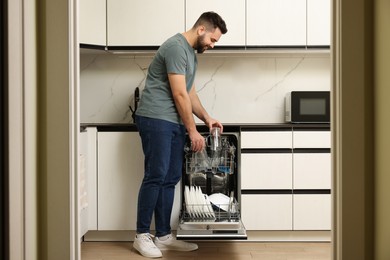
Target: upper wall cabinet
[(253, 23), (318, 22), (92, 21), (143, 22), (232, 11), (276, 22)]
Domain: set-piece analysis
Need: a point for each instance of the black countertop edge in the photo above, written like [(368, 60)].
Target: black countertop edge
[(112, 127), (133, 128), (286, 191), (230, 127), (284, 127)]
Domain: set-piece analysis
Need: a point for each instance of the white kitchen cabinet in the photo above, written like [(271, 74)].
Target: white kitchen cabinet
[(318, 22), (312, 212), (312, 171), (286, 173), (311, 139), (261, 23), (276, 22), (266, 139), (266, 171), (266, 160), (266, 177), (312, 179), (312, 159), (231, 11), (92, 22), (267, 211), (87, 180), (82, 184), (143, 22), (120, 172)]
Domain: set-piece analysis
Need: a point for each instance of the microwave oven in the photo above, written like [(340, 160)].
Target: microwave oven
[(308, 107)]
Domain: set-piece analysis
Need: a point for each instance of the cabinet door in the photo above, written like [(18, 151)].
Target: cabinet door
[(92, 21), (276, 22), (143, 22), (312, 212), (82, 184), (120, 172), (312, 170), (318, 22), (266, 212), (231, 11), (88, 193), (266, 171)]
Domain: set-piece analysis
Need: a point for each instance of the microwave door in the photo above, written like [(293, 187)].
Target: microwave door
[(310, 107)]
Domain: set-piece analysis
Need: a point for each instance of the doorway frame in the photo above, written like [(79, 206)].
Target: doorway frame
[(353, 129), (44, 192)]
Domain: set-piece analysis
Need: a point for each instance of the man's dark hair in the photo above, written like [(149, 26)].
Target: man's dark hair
[(211, 21)]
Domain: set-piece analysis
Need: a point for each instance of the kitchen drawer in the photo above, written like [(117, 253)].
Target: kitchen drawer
[(267, 211), (266, 139), (311, 139), (266, 171), (312, 212), (312, 170)]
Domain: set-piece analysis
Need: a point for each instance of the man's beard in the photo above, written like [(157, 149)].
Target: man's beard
[(200, 45)]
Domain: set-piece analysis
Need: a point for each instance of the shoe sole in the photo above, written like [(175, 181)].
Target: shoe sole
[(164, 247), (145, 254)]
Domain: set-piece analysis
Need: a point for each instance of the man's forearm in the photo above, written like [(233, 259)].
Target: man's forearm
[(183, 105), (197, 108)]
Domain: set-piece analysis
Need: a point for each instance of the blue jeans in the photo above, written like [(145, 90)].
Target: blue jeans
[(163, 146)]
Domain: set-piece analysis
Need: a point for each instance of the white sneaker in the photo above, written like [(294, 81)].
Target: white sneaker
[(143, 243), (169, 242)]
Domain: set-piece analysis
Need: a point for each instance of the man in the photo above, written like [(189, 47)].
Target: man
[(165, 112)]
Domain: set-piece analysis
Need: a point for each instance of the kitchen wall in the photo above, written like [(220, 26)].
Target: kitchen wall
[(236, 88)]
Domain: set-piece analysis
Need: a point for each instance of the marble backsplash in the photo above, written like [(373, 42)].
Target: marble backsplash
[(232, 88)]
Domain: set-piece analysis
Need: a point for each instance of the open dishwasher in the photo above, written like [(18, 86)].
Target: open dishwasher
[(210, 208)]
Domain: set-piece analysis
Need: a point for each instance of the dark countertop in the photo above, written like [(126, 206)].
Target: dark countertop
[(228, 127)]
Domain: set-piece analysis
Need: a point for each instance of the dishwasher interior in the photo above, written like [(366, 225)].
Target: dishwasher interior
[(210, 208)]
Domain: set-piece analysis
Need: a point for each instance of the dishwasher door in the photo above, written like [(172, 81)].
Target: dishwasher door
[(210, 208)]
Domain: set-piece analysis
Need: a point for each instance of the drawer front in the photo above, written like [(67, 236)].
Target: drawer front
[(266, 171), (267, 212), (312, 212), (311, 139), (312, 170), (266, 139)]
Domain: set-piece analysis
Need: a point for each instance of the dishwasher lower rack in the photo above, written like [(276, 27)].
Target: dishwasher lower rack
[(203, 221)]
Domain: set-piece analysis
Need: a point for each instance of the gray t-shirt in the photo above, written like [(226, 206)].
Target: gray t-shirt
[(176, 56)]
